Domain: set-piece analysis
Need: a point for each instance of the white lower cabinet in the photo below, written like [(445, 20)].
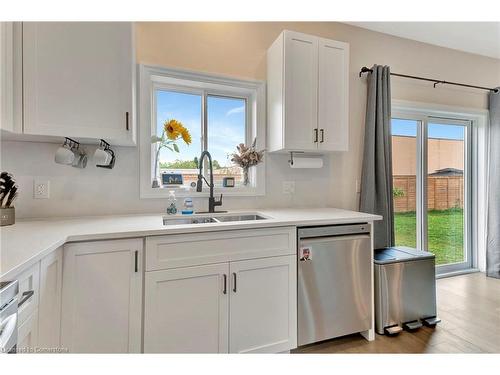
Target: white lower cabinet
[(27, 334), (102, 296), (39, 299), (28, 297), (263, 304), (237, 306), (186, 310), (49, 308)]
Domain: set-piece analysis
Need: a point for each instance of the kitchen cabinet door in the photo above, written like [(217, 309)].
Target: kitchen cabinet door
[(186, 310), (333, 95), (263, 305), (29, 291), (102, 296), (300, 91), (27, 334), (6, 76), (49, 305), (79, 80)]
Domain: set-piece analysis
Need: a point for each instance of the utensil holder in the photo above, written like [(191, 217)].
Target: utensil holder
[(7, 216)]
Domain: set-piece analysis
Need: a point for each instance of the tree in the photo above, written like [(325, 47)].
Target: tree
[(186, 164)]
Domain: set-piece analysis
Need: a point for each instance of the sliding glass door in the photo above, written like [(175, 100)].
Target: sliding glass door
[(432, 187)]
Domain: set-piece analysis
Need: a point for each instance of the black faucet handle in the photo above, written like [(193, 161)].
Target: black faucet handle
[(219, 201)]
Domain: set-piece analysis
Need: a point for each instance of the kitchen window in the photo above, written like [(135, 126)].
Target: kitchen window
[(218, 114)]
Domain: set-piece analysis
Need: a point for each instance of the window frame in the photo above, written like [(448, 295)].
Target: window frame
[(153, 78), (475, 122)]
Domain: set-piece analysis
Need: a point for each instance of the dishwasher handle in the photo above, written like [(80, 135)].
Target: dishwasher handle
[(334, 230)]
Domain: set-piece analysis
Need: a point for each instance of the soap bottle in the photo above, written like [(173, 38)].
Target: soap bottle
[(188, 206), (171, 209)]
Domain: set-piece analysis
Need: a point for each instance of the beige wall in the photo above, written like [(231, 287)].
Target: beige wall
[(239, 49), (443, 153)]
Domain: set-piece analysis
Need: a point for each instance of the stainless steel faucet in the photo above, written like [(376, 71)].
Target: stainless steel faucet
[(212, 202)]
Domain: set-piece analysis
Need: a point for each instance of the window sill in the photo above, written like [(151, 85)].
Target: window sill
[(456, 273), (183, 193)]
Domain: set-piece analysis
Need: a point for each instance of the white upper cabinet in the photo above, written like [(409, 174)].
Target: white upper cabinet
[(301, 88), (333, 95), (6, 76), (308, 94), (78, 80)]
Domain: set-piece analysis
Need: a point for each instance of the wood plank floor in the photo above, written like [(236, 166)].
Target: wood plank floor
[(469, 307)]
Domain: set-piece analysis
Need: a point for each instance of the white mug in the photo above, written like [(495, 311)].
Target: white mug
[(102, 157), (80, 161), (64, 155)]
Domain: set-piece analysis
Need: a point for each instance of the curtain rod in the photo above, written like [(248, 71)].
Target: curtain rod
[(364, 69)]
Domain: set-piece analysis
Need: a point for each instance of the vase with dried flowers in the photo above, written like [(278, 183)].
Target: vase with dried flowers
[(247, 157), (173, 131)]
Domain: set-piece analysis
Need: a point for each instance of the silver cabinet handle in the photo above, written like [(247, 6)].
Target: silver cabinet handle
[(234, 282), (225, 284), (26, 296), (322, 131), (315, 135)]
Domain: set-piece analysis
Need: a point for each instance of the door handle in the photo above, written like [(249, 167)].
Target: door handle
[(136, 260), (225, 284), (315, 135), (234, 282), (322, 131), (26, 296), (126, 121)]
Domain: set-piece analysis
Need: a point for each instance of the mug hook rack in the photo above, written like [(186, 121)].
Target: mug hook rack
[(107, 147)]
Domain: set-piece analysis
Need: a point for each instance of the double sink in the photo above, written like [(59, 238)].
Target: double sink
[(211, 219)]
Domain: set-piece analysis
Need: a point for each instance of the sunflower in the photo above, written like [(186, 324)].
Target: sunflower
[(173, 129), (186, 136)]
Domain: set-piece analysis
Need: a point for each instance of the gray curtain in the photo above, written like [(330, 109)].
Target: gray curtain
[(376, 179), (493, 237)]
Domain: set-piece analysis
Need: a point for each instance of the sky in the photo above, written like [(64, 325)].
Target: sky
[(225, 119), (443, 131)]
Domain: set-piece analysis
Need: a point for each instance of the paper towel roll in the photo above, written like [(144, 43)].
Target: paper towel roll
[(307, 162)]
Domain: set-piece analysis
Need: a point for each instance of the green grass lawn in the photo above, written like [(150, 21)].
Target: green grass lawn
[(446, 233)]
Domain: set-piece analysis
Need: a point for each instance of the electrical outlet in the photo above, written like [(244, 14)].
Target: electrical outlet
[(41, 189), (288, 187), (358, 186)]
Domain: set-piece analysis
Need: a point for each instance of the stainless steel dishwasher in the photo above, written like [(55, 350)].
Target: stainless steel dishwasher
[(334, 281)]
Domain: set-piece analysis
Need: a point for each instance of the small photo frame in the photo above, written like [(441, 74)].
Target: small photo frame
[(305, 253), (172, 179)]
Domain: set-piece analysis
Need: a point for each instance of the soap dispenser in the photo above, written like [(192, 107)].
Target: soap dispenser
[(171, 209)]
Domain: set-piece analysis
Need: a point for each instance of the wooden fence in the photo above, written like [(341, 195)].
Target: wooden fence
[(443, 192)]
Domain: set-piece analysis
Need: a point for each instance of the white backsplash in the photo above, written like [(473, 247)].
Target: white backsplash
[(97, 191)]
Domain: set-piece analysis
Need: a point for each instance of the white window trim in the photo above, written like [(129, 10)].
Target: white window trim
[(479, 118), (152, 77)]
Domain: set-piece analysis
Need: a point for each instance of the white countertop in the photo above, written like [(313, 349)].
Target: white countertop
[(28, 241)]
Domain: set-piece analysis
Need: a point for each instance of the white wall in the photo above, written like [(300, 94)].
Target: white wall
[(98, 191)]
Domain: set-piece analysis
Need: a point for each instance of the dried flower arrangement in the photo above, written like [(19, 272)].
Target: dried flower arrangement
[(247, 157)]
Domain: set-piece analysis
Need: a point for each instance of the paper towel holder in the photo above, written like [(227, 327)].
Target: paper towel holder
[(291, 156)]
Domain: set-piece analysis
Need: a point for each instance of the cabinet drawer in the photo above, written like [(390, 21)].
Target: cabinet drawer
[(29, 280), (182, 250)]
